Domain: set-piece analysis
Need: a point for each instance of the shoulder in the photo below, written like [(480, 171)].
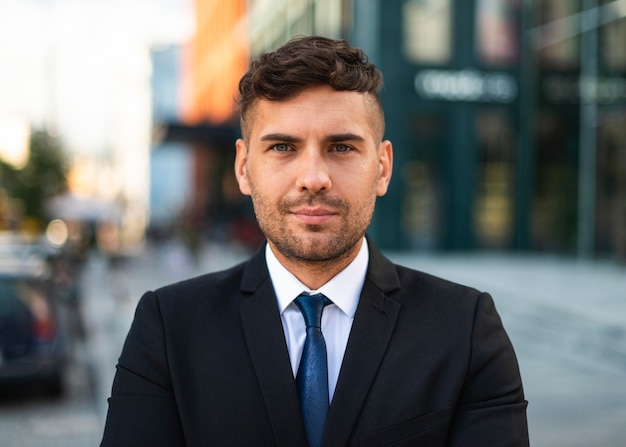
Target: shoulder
[(398, 281), (428, 284), (424, 297), (447, 308), (444, 303), (220, 289), (229, 279), (394, 279), (210, 299)]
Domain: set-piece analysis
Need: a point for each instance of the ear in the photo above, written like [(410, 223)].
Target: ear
[(385, 166), (241, 170)]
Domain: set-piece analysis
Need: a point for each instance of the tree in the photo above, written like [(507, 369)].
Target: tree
[(43, 176)]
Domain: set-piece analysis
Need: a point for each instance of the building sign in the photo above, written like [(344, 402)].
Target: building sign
[(466, 86), (562, 89)]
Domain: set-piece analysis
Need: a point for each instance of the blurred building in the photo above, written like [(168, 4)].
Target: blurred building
[(508, 117), (213, 61), (509, 123), (170, 162)]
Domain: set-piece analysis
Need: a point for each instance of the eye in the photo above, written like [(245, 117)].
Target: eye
[(281, 147), (342, 148)]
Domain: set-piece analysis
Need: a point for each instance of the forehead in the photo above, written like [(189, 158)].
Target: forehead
[(315, 109)]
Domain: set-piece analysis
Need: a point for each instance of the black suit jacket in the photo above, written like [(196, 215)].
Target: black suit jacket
[(205, 363)]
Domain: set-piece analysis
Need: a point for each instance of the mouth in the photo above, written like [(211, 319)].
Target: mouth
[(314, 215)]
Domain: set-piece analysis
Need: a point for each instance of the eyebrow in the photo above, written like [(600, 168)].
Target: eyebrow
[(280, 137), (336, 138), (333, 138)]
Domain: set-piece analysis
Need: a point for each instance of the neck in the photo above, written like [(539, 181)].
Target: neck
[(314, 274)]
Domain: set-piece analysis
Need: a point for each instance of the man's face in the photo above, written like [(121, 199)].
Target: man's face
[(314, 165)]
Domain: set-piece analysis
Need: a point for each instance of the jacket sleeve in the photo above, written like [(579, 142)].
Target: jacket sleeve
[(491, 410), (142, 409)]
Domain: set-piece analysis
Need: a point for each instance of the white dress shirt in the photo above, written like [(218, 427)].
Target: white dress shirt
[(343, 290)]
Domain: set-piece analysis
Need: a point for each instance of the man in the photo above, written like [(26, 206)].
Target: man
[(234, 358)]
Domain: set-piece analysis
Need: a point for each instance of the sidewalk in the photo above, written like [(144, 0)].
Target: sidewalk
[(566, 319)]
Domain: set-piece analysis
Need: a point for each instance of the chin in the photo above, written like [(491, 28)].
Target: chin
[(323, 250)]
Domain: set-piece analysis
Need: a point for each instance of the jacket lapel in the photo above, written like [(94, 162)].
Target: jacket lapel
[(372, 328), (266, 344)]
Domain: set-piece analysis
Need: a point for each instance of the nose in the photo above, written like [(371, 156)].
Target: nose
[(313, 173)]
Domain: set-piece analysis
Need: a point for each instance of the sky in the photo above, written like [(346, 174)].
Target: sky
[(81, 67)]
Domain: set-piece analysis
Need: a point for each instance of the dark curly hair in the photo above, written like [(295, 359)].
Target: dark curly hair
[(303, 62)]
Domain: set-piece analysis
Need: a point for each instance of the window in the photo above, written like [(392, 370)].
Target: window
[(497, 31), (427, 31), (558, 35), (493, 206), (612, 43)]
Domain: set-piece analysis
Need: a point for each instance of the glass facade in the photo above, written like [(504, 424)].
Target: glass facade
[(613, 37), (274, 22), (422, 213), (498, 32), (488, 103), (427, 30), (558, 33), (496, 146)]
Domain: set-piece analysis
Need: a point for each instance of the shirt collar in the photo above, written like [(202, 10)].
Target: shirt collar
[(344, 289)]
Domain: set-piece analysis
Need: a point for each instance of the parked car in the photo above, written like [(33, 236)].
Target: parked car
[(33, 341)]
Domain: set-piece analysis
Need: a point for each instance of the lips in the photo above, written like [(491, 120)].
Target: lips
[(314, 216)]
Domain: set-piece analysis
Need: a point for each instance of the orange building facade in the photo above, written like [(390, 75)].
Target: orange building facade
[(214, 61)]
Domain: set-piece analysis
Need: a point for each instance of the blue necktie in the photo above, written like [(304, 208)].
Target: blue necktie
[(312, 377)]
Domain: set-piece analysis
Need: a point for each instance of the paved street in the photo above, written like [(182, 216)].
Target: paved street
[(567, 320), (31, 418), (35, 420)]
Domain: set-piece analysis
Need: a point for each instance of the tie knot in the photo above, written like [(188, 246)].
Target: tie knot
[(311, 307)]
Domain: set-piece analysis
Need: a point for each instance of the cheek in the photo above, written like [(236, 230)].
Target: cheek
[(262, 188)]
